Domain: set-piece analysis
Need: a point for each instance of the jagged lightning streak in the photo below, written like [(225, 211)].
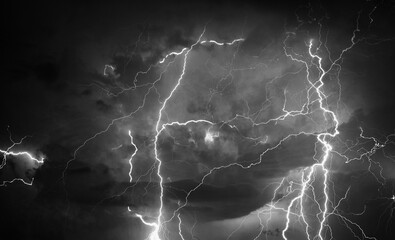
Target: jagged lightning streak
[(320, 137), (15, 154), (113, 121), (158, 127), (8, 152), (154, 235), (131, 158), (323, 138), (224, 43)]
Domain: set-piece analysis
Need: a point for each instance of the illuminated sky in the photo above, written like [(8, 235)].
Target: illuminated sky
[(200, 120)]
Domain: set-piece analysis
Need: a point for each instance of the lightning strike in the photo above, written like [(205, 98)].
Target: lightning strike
[(159, 127), (324, 138), (8, 152), (131, 158), (154, 235)]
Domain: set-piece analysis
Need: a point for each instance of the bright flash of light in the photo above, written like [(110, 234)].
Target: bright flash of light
[(9, 152), (210, 136)]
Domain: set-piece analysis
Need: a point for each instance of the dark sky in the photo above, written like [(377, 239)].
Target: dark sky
[(84, 84)]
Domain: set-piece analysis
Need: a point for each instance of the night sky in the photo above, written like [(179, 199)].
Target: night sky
[(205, 120)]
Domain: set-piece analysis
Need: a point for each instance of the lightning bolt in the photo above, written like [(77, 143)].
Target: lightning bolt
[(159, 127), (324, 138), (154, 235), (8, 152)]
